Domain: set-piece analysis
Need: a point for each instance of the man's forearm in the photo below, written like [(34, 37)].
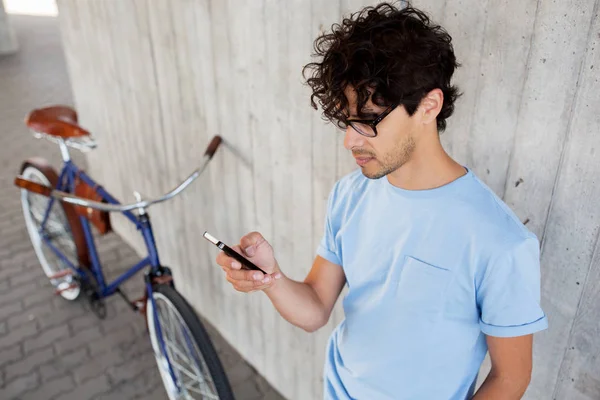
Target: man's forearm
[(501, 388), (298, 303)]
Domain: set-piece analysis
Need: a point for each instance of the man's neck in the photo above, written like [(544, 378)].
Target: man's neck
[(428, 168)]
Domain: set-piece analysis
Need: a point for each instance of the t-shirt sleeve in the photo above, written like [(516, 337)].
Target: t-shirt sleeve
[(509, 294), (328, 248)]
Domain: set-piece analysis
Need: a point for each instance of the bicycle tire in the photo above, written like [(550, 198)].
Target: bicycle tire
[(163, 293), (59, 227)]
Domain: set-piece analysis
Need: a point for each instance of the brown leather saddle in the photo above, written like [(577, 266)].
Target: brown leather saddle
[(60, 121)]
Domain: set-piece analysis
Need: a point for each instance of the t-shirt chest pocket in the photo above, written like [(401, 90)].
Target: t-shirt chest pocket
[(421, 287)]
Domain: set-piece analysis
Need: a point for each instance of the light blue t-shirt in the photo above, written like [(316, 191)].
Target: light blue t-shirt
[(429, 274)]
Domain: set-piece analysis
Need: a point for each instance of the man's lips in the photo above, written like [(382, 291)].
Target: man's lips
[(363, 160)]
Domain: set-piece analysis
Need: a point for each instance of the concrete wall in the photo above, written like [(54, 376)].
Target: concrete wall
[(156, 80), (8, 40)]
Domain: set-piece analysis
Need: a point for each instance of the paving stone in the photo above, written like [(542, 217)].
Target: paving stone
[(19, 386), (64, 364), (10, 354), (16, 336), (28, 364), (87, 390), (16, 294), (30, 315), (240, 373), (125, 372), (142, 386), (247, 390), (24, 277), (51, 389), (38, 297), (111, 339), (96, 364), (61, 316), (81, 338), (6, 310), (45, 338)]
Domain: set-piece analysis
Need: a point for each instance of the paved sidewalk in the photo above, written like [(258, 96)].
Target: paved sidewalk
[(50, 348)]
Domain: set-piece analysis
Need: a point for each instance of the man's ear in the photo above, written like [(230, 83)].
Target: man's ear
[(430, 106)]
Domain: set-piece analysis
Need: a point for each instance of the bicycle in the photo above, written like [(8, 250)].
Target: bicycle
[(62, 239)]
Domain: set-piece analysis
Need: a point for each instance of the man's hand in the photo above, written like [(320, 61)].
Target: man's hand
[(255, 248), (305, 304)]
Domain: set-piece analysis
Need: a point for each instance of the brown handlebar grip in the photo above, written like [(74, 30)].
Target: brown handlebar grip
[(213, 146), (33, 186)]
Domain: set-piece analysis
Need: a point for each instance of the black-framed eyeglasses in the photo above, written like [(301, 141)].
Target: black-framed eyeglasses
[(367, 127)]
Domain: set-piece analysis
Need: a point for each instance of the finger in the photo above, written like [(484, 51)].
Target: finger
[(250, 283), (266, 280), (250, 287), (250, 241), (234, 263), (263, 287), (245, 275), (225, 261), (244, 286)]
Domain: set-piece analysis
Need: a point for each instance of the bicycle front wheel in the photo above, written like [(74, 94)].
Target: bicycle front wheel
[(189, 365)]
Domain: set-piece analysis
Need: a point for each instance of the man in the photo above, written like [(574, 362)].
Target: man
[(439, 269)]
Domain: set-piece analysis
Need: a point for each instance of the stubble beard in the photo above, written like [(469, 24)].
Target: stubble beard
[(392, 160)]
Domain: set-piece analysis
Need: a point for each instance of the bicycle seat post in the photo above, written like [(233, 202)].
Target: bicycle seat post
[(64, 151), (138, 198)]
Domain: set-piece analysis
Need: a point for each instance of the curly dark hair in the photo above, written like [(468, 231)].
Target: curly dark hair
[(388, 54)]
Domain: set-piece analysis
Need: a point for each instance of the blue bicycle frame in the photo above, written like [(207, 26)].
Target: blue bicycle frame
[(66, 183)]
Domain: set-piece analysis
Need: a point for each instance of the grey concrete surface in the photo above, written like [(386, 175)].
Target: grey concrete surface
[(51, 348)]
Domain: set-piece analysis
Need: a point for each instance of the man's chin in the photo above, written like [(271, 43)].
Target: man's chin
[(372, 174)]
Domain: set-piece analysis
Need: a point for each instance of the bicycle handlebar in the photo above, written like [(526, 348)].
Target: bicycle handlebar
[(80, 201), (213, 146)]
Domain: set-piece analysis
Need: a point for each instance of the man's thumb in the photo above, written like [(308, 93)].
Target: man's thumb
[(248, 243)]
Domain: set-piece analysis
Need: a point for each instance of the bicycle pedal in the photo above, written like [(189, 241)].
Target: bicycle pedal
[(138, 305), (61, 274), (71, 286)]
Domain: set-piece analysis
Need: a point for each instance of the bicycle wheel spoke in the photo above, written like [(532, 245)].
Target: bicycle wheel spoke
[(200, 387), (168, 326), (181, 329), (191, 372), (200, 366), (180, 368), (203, 393), (177, 339), (176, 350), (173, 349), (184, 343), (195, 378), (201, 370), (204, 379)]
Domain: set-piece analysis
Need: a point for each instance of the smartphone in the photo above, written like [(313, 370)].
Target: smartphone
[(246, 264)]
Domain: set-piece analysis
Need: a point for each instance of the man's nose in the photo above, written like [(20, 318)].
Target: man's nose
[(353, 139)]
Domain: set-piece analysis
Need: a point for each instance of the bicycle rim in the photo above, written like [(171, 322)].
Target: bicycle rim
[(194, 380), (56, 228)]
